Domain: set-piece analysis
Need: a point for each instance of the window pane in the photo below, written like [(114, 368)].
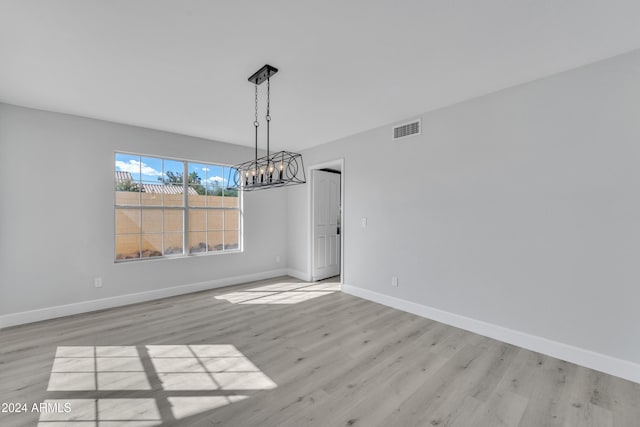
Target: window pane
[(196, 179), (150, 169), (195, 198), (127, 179), (197, 176), (197, 242), (151, 194), (215, 240), (173, 171), (173, 220), (152, 220), (127, 221), (128, 246), (127, 197), (198, 168), (151, 245), (215, 180), (214, 201), (231, 199), (231, 220), (173, 195), (173, 243), (128, 167), (231, 239), (197, 220), (153, 181), (215, 219)]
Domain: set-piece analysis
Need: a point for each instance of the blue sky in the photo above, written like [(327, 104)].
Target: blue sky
[(149, 169)]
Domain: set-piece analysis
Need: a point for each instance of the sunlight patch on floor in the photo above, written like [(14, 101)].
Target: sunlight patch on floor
[(280, 293), (137, 412), (220, 367), (147, 372), (97, 368)]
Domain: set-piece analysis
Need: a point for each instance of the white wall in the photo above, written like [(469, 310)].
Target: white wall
[(49, 258), (520, 209)]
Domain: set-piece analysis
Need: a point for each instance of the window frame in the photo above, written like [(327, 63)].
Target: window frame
[(185, 208)]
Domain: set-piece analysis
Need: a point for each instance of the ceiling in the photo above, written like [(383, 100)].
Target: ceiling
[(345, 66)]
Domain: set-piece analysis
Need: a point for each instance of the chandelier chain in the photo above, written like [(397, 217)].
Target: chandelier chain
[(268, 117), (255, 122)]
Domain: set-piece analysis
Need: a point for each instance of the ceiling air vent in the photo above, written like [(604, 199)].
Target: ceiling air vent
[(406, 129)]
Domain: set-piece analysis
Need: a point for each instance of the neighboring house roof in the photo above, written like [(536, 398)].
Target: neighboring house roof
[(166, 189), (123, 176), (154, 188)]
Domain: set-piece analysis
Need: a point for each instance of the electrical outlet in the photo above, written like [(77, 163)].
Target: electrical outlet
[(277, 258), (394, 281), (97, 282), (363, 222)]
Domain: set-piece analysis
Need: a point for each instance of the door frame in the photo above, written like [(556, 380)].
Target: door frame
[(335, 164)]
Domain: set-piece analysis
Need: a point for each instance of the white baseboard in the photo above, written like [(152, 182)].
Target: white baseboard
[(580, 356), (23, 317), (300, 275)]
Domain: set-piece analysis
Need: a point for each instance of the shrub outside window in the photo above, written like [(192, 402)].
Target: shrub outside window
[(159, 213)]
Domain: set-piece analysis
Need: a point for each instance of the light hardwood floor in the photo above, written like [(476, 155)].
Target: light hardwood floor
[(239, 356)]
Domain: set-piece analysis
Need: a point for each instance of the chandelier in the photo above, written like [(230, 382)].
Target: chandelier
[(277, 169)]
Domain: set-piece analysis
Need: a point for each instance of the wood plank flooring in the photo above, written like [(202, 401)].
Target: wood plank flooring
[(281, 352)]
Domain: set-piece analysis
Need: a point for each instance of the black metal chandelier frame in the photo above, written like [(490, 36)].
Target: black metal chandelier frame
[(273, 170)]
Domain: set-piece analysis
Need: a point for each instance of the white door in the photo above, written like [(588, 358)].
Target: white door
[(326, 224)]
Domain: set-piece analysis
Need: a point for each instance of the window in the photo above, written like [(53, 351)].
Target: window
[(159, 213)]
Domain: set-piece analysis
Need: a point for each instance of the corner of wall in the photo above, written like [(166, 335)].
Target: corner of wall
[(302, 275)]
